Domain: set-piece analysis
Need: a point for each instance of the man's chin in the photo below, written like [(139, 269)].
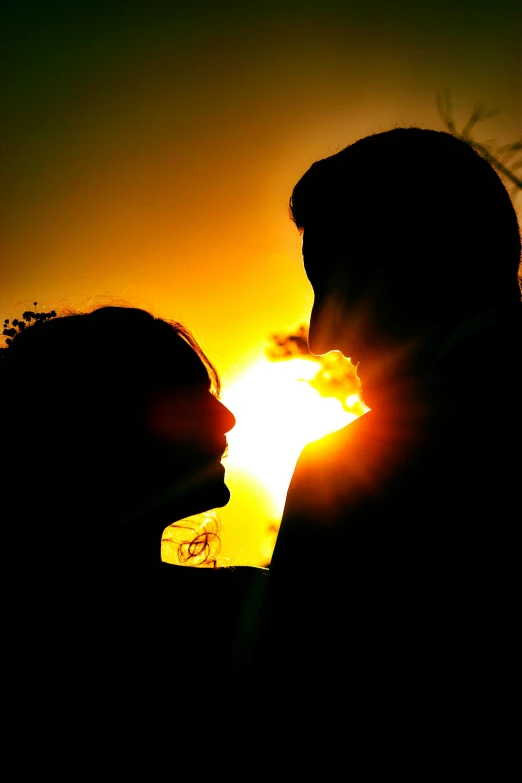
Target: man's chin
[(375, 388)]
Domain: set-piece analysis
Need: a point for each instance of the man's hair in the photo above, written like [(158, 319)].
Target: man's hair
[(458, 229)]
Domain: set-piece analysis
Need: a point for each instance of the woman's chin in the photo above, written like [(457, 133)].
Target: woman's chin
[(200, 489), (225, 497), (214, 494)]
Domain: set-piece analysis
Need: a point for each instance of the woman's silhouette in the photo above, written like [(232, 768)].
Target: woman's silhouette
[(112, 429)]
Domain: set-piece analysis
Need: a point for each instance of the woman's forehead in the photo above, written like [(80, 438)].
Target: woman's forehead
[(178, 365)]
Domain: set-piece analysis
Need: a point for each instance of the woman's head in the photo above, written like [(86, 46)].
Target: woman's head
[(112, 420)]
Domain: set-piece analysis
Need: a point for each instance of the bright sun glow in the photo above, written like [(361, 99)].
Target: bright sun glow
[(277, 414)]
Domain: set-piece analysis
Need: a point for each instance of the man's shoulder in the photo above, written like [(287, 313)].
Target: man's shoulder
[(349, 437), (370, 442), (332, 471)]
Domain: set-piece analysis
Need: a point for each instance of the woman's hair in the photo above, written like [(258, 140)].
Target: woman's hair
[(434, 196), (70, 391)]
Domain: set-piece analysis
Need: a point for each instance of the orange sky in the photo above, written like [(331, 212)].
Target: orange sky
[(150, 157)]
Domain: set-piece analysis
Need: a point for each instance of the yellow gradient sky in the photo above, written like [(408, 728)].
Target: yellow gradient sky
[(149, 154)]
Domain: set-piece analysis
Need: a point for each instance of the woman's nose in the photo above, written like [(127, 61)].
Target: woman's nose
[(227, 417)]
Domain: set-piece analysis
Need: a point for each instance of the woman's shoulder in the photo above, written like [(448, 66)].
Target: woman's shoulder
[(223, 601), (226, 585), (224, 572)]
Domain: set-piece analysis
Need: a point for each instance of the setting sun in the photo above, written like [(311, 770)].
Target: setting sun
[(278, 413), (280, 406)]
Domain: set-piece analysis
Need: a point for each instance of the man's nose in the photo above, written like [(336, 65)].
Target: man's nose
[(323, 335)]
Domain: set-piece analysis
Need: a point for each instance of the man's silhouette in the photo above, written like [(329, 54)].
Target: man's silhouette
[(392, 586)]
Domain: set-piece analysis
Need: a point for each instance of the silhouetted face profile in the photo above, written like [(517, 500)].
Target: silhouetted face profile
[(409, 237), (332, 262), (175, 433), (183, 439), (358, 309)]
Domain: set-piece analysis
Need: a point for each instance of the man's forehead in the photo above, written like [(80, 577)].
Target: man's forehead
[(337, 217), (346, 229)]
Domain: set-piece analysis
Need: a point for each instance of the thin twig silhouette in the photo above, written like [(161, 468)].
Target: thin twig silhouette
[(499, 157)]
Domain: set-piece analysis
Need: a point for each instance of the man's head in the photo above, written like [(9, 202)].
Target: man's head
[(407, 234)]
